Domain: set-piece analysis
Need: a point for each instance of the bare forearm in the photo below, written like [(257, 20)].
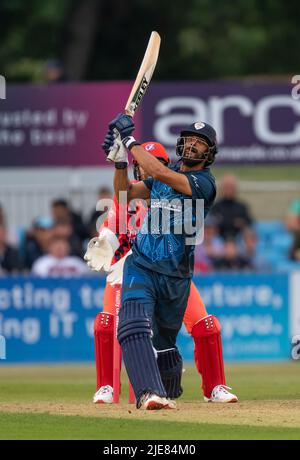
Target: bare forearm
[(150, 164), (158, 171), (121, 181)]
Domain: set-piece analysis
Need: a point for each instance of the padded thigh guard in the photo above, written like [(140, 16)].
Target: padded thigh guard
[(208, 353), (104, 348), (170, 367), (134, 335)]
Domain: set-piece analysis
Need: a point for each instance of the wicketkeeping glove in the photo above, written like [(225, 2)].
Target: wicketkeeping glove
[(115, 275), (100, 251)]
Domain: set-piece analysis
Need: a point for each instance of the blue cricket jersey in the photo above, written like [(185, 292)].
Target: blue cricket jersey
[(161, 243)]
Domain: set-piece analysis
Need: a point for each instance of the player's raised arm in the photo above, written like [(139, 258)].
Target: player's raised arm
[(160, 172), (123, 126)]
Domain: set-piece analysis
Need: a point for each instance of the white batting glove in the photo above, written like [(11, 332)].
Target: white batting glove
[(115, 275), (118, 153), (100, 250)]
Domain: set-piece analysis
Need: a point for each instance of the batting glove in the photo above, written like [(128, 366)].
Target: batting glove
[(118, 154), (123, 124), (108, 142)]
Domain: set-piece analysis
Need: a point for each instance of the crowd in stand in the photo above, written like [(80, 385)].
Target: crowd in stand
[(54, 245)]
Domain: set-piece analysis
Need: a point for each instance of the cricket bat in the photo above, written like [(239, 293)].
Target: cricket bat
[(144, 75), (142, 80)]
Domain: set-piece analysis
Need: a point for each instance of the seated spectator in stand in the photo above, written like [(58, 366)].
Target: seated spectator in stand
[(293, 217), (103, 194), (9, 256), (61, 211), (232, 215), (58, 262), (248, 249), (64, 229), (295, 250), (2, 220), (37, 241), (231, 259), (54, 72), (211, 249)]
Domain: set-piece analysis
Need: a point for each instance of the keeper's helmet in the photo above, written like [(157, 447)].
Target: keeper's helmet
[(191, 144), (155, 149)]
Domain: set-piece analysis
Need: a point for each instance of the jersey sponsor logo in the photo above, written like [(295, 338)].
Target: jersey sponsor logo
[(195, 180), (2, 87), (165, 204)]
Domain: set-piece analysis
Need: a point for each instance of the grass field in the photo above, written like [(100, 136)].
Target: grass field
[(54, 403)]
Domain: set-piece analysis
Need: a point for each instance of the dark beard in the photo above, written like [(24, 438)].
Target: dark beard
[(190, 163)]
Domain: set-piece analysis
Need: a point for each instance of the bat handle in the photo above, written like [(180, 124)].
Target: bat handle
[(129, 113)]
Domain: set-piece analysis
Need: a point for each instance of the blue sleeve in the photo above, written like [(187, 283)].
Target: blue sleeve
[(202, 187), (149, 182)]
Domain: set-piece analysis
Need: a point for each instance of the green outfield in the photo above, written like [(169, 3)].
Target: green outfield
[(54, 403)]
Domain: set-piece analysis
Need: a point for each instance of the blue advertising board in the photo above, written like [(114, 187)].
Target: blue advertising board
[(254, 314), (51, 320)]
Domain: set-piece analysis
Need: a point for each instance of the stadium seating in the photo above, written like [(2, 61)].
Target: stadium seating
[(274, 243)]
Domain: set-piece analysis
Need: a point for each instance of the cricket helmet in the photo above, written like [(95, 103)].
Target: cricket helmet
[(204, 132), (155, 149)]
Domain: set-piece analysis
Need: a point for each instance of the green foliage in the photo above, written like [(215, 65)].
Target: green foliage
[(202, 39), (30, 33)]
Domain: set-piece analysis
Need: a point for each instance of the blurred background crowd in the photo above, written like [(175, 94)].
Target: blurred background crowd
[(233, 239)]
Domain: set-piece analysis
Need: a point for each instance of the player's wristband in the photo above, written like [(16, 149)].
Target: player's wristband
[(130, 142), (121, 165)]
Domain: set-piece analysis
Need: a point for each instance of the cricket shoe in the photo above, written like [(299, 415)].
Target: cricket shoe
[(171, 404), (220, 394), (104, 395), (151, 401)]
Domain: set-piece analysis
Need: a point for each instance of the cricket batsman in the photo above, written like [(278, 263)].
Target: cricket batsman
[(204, 328)]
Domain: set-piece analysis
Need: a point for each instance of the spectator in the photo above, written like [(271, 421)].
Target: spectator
[(54, 72), (64, 229), (61, 211), (37, 241), (104, 193), (293, 216), (248, 249), (232, 215), (2, 220), (231, 259), (295, 250), (58, 261), (211, 249), (9, 257)]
